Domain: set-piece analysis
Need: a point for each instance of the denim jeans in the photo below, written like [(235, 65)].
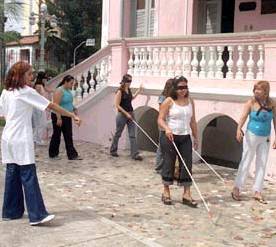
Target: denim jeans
[(13, 205), (121, 122), (159, 154)]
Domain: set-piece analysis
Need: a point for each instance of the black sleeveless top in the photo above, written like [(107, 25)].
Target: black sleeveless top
[(126, 101)]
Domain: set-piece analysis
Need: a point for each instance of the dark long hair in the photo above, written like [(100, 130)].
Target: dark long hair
[(16, 75), (125, 79), (39, 78), (176, 81), (65, 79), (167, 87)]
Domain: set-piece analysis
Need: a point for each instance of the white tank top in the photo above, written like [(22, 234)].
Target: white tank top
[(179, 119)]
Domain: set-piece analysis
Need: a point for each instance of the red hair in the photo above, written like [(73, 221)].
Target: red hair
[(16, 75)]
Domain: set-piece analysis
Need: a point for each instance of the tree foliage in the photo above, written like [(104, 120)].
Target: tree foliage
[(78, 20)]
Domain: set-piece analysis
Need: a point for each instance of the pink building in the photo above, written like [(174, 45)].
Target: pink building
[(222, 46)]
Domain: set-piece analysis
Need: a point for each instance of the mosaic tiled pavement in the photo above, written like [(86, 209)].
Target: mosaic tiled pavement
[(106, 201)]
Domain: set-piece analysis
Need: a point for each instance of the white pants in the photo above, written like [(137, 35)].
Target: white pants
[(252, 145)]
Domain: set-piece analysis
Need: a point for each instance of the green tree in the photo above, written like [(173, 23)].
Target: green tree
[(78, 21)]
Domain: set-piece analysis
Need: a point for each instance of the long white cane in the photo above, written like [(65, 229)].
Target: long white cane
[(211, 168), (145, 133), (198, 191)]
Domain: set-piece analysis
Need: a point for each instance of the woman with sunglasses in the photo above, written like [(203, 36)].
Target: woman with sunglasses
[(123, 99), (261, 111), (177, 119)]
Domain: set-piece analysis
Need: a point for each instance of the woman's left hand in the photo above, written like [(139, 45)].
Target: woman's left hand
[(274, 144)]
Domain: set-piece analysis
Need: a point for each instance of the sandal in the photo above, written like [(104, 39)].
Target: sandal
[(260, 200), (235, 197), (166, 200), (189, 202)]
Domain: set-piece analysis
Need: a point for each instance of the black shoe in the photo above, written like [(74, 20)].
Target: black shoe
[(114, 154), (138, 157), (75, 158)]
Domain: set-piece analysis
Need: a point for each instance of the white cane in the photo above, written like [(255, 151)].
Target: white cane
[(145, 133), (211, 168), (198, 191)]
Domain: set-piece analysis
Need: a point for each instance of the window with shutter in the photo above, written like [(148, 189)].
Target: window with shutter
[(145, 18)]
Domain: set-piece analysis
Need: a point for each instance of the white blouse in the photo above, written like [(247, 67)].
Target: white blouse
[(179, 119), (16, 106)]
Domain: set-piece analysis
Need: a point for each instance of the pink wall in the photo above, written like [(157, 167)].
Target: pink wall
[(172, 17), (253, 20)]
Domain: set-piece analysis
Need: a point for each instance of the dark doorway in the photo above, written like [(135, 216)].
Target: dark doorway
[(227, 16), (219, 145)]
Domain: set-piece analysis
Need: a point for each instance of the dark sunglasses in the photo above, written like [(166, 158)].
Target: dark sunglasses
[(129, 81), (182, 87)]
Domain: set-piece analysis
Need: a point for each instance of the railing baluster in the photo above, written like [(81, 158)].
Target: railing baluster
[(202, 73), (230, 63), (260, 63), (211, 63), (219, 63), (240, 63)]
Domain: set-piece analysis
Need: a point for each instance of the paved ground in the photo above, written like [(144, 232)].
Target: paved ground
[(104, 201)]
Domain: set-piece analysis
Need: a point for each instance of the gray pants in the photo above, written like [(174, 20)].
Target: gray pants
[(121, 121)]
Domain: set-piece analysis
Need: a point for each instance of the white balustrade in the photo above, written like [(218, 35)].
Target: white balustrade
[(187, 62), (156, 61), (260, 63), (170, 66), (240, 63), (194, 62), (202, 64), (250, 63), (149, 62), (219, 63), (230, 63), (143, 62), (130, 62), (164, 61), (85, 85), (211, 63), (178, 63), (136, 62)]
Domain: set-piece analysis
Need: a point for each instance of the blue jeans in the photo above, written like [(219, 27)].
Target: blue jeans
[(13, 205), (121, 122)]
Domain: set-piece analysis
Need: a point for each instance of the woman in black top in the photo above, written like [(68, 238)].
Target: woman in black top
[(124, 117)]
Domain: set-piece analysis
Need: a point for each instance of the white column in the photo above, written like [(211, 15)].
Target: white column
[(170, 66), (149, 61), (178, 63), (260, 63), (250, 63), (136, 61), (202, 73), (194, 62), (219, 63), (105, 23), (143, 61), (130, 62), (211, 63), (187, 61), (163, 61), (240, 63), (230, 63), (85, 86), (156, 61)]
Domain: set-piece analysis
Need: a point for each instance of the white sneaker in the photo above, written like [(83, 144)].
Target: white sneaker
[(45, 220)]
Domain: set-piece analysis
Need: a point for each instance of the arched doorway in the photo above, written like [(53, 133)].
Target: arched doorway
[(218, 141), (146, 117)]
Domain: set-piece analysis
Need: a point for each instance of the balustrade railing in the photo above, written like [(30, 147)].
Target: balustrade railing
[(230, 56), (90, 75)]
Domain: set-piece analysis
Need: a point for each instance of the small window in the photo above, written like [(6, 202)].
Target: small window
[(268, 7), (141, 4), (152, 4), (247, 6)]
